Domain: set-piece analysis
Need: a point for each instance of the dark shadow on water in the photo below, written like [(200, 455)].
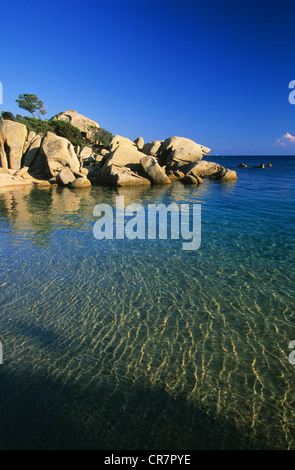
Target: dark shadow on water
[(40, 413)]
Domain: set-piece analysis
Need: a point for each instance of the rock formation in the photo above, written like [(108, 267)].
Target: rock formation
[(58, 152), (29, 157)]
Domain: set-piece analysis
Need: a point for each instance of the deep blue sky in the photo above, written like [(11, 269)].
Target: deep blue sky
[(215, 71)]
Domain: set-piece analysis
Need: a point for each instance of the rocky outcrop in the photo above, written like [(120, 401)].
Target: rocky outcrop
[(84, 124), (153, 171), (12, 139), (139, 142), (121, 163), (58, 152)]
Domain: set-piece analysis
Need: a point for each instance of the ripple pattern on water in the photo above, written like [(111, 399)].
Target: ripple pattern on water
[(211, 326)]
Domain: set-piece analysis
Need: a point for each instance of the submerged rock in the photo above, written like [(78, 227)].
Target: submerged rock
[(224, 175), (260, 166)]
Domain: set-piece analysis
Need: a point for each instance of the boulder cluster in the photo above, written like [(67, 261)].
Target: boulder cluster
[(27, 157)]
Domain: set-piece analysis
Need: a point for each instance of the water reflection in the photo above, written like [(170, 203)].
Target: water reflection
[(42, 210)]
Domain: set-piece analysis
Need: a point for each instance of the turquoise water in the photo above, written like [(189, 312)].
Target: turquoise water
[(137, 344)]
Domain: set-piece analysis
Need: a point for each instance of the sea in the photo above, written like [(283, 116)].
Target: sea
[(126, 344)]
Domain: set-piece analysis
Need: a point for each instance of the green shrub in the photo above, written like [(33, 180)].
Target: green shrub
[(36, 125), (102, 137), (60, 128), (70, 132)]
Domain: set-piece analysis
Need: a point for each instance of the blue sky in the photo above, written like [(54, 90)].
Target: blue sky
[(215, 71)]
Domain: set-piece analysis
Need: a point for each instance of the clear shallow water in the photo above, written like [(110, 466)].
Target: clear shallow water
[(139, 344)]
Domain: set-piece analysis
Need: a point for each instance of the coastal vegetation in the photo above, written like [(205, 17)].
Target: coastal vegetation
[(32, 104), (72, 150)]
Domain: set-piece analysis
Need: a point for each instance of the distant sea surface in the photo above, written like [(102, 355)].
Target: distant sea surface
[(138, 344)]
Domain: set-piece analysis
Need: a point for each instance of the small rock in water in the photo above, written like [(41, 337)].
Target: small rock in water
[(260, 166)]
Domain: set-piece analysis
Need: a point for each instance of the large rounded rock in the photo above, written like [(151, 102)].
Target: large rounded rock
[(153, 171), (119, 141), (80, 183), (182, 149), (139, 142), (59, 152), (12, 139), (203, 168), (152, 148)]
